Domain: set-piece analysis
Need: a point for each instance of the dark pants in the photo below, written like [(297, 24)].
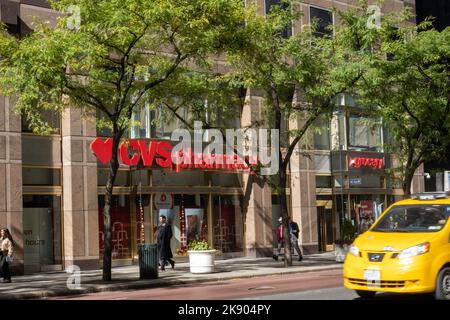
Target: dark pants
[(164, 262), (294, 243), (297, 247), (5, 267)]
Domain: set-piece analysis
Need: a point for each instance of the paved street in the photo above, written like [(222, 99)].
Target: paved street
[(338, 293), (322, 285), (127, 278), (231, 289)]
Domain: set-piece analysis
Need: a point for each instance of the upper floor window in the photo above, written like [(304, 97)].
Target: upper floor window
[(364, 133), (161, 121), (140, 123), (322, 134), (270, 4), (51, 117), (323, 19)]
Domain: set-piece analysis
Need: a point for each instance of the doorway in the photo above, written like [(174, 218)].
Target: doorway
[(325, 225)]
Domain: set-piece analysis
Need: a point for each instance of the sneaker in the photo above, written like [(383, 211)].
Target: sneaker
[(7, 281), (275, 257), (300, 258)]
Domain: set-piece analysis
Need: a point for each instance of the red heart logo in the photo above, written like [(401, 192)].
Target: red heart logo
[(102, 149)]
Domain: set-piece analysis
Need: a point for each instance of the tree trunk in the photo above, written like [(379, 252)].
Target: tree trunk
[(285, 214), (107, 239), (282, 182), (407, 181)]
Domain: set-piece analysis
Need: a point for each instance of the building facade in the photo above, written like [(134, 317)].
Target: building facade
[(52, 188)]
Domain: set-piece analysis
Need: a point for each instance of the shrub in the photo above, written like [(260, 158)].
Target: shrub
[(198, 245)]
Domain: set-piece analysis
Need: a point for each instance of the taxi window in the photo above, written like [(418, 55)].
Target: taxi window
[(414, 218)]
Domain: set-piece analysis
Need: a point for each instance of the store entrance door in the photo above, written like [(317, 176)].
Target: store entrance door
[(321, 225), (325, 225)]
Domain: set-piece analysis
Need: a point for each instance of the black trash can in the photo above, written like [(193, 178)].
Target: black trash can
[(148, 261)]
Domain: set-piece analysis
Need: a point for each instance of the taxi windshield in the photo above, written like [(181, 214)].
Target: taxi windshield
[(414, 218)]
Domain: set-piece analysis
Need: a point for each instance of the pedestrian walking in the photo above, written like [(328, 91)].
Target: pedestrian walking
[(6, 252), (163, 242), (294, 232), (280, 237)]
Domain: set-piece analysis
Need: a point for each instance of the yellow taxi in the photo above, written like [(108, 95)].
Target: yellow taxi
[(407, 250)]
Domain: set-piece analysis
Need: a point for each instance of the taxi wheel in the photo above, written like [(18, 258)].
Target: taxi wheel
[(443, 285), (365, 294)]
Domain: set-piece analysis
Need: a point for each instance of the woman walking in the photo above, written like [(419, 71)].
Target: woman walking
[(6, 251)]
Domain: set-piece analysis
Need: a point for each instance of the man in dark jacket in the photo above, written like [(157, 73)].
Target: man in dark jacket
[(163, 241), (294, 232)]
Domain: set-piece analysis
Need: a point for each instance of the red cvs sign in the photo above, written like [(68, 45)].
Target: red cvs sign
[(132, 151), (159, 150), (363, 162)]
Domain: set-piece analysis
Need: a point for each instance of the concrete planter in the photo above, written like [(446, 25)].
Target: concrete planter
[(202, 261)]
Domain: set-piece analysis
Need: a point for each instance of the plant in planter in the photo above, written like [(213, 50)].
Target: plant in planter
[(348, 235), (201, 257)]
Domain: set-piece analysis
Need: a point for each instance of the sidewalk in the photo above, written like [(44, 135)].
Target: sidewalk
[(125, 278)]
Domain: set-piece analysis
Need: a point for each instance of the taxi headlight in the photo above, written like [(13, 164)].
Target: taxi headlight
[(415, 251), (354, 250)]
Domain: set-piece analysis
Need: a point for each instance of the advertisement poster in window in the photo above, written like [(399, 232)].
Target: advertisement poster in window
[(194, 221), (366, 214)]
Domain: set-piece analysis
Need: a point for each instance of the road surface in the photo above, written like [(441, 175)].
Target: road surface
[(323, 285)]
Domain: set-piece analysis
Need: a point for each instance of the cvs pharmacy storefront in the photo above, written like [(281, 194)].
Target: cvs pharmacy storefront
[(361, 188)]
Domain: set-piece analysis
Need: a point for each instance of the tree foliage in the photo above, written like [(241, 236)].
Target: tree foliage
[(121, 57), (409, 83)]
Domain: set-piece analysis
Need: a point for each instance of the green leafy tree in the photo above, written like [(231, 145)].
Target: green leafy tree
[(409, 83), (112, 63), (300, 77)]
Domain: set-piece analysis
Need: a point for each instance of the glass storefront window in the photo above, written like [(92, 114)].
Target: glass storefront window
[(41, 176), (142, 218), (366, 181), (228, 223), (163, 122), (341, 206), (269, 4), (41, 150), (323, 181), (42, 231), (365, 209), (364, 133), (188, 218), (121, 226), (322, 163), (322, 134), (323, 19), (140, 124), (340, 182), (52, 118)]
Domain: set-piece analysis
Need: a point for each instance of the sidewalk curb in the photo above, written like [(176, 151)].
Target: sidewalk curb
[(149, 284)]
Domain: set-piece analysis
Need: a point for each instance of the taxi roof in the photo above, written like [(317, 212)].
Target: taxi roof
[(426, 198)]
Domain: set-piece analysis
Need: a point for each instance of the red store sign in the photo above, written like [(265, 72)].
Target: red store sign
[(161, 153), (365, 162)]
